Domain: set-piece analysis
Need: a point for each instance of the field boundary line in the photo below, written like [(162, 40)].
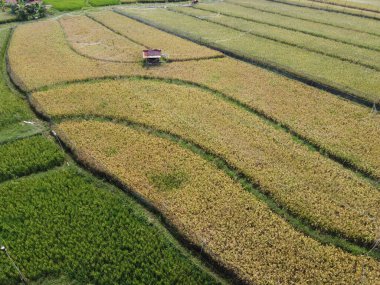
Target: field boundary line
[(291, 29), (347, 6), (326, 9), (148, 47), (245, 5), (32, 174), (298, 223), (270, 38), (341, 91), (195, 250), (273, 122)]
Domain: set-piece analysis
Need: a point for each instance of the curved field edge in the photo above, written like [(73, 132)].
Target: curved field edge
[(340, 90), (346, 156), (299, 224), (68, 200), (25, 159), (90, 157), (312, 144)]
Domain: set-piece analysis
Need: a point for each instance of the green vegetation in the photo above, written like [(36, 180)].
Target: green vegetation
[(28, 156), (64, 221), (67, 5), (13, 109), (168, 181), (96, 3), (345, 76), (6, 17)]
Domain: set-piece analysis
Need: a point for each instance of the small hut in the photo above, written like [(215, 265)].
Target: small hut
[(152, 56)]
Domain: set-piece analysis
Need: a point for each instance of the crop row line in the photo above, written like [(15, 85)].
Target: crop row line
[(298, 30), (347, 6), (340, 91), (301, 225), (142, 45), (325, 9), (277, 40), (269, 119), (196, 250), (256, 112)]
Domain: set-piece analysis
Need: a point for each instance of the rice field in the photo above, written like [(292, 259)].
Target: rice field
[(248, 155), (268, 159), (355, 79), (209, 207)]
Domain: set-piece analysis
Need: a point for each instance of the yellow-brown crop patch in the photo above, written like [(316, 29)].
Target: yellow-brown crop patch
[(92, 39), (347, 130), (212, 210), (173, 47), (304, 181)]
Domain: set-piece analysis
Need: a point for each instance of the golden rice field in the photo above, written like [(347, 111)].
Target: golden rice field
[(263, 177), (322, 191), (315, 115), (211, 209)]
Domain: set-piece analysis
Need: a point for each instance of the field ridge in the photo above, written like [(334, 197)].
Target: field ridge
[(262, 115), (341, 91), (274, 39), (244, 5)]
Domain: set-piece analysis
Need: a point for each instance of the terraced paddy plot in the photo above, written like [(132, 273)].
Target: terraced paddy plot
[(322, 192), (91, 39), (352, 78), (66, 222), (211, 209), (173, 47), (339, 127), (28, 156), (257, 13), (372, 5), (320, 46), (321, 9), (360, 8)]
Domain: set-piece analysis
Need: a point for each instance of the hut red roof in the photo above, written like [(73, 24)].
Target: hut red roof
[(152, 53)]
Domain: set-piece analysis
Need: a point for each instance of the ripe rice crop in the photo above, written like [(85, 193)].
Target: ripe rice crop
[(342, 128), (344, 76), (330, 18), (28, 156), (173, 47), (322, 191), (92, 39), (66, 222), (55, 62), (212, 210)]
